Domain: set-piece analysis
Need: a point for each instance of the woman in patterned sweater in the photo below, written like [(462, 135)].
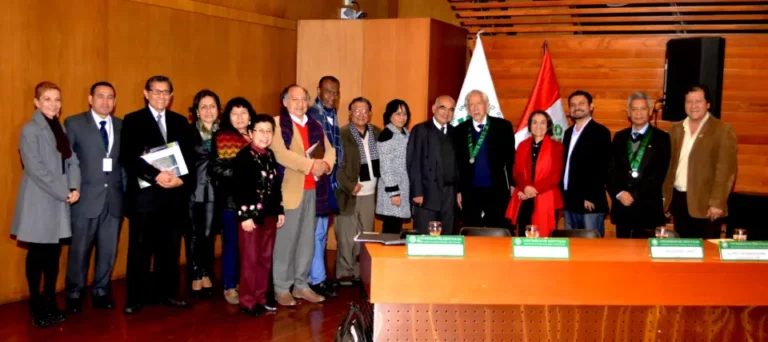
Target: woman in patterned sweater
[(259, 200), (393, 185), (228, 141)]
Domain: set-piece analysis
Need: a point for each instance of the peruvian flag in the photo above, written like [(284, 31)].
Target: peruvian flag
[(546, 97)]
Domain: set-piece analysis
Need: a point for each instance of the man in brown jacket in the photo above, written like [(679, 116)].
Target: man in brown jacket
[(702, 169)]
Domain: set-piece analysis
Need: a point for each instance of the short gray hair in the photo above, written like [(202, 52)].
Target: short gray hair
[(288, 90), (639, 96), (476, 91)]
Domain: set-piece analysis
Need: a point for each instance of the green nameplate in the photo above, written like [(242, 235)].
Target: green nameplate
[(676, 248), (744, 250), (541, 248), (425, 245)]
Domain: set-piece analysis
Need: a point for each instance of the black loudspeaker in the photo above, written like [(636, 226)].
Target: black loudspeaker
[(692, 61)]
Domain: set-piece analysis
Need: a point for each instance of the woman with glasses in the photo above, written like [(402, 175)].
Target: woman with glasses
[(392, 204), (227, 142), (200, 238), (49, 185)]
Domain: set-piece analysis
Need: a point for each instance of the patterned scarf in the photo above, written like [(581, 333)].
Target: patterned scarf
[(229, 143), (332, 131), (372, 149), (205, 133), (322, 207)]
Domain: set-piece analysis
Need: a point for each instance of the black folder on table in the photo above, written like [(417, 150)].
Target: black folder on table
[(385, 239)]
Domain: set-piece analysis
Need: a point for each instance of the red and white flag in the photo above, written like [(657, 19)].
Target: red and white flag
[(546, 97)]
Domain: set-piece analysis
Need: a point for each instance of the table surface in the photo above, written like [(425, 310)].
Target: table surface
[(599, 272)]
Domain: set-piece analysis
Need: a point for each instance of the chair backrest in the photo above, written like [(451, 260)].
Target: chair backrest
[(576, 233), (483, 231), (651, 233)]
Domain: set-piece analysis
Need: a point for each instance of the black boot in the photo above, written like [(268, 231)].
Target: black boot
[(38, 313), (52, 311)]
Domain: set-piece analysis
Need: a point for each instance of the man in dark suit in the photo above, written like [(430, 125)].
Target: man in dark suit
[(587, 159), (485, 152), (157, 212), (432, 169), (95, 139), (640, 163)]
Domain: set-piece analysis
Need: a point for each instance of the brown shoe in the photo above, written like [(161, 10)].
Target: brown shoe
[(285, 299), (232, 296), (308, 295)]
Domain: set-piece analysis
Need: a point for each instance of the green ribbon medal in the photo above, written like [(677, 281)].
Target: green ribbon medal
[(474, 150), (635, 157)]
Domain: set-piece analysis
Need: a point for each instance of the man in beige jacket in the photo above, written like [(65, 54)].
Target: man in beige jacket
[(301, 148), (702, 169)]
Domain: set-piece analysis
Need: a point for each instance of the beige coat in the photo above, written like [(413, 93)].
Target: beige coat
[(296, 164)]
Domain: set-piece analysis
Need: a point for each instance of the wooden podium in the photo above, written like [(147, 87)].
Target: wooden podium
[(383, 59)]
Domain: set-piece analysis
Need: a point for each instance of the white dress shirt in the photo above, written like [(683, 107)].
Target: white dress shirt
[(476, 124), (575, 134), (301, 122), (108, 126), (439, 126)]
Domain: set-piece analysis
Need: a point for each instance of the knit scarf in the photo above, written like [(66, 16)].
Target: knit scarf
[(229, 143), (372, 149), (316, 135)]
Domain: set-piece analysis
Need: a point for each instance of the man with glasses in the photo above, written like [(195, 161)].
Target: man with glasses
[(356, 195), (432, 169), (157, 209)]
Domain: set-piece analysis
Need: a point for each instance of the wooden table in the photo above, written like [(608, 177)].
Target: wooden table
[(610, 289)]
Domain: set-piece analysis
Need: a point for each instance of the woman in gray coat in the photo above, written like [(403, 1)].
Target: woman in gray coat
[(392, 203), (51, 177)]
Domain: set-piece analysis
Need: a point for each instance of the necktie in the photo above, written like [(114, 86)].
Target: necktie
[(444, 129), (636, 136), (103, 132), (161, 125), (480, 126)]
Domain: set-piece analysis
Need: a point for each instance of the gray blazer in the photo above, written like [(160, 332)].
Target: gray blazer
[(42, 213), (394, 176), (98, 187)]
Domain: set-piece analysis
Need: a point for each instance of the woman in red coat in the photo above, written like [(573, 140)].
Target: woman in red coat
[(537, 173)]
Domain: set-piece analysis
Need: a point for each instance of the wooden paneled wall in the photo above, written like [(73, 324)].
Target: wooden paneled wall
[(612, 67), (205, 44)]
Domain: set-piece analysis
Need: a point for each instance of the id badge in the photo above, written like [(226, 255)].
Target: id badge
[(106, 164)]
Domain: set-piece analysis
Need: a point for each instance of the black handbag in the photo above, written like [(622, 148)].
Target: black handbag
[(353, 328)]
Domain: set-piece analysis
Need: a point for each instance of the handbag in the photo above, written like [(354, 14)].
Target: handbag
[(353, 328)]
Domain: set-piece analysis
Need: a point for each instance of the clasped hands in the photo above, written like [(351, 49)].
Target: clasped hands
[(168, 180), (319, 168), (73, 197), (527, 193)]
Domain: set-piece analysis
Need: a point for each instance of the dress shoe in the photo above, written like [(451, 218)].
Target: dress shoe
[(324, 289), (38, 314), (173, 302), (269, 307), (195, 293), (253, 312), (285, 299), (232, 297), (103, 302), (74, 305), (131, 309), (308, 295), (349, 281), (52, 311)]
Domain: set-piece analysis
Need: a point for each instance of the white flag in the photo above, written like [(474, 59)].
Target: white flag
[(478, 77)]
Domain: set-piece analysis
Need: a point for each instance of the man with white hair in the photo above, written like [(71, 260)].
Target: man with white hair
[(640, 162), (485, 153)]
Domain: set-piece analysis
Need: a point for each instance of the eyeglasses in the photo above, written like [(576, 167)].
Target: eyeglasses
[(158, 92), (360, 112)]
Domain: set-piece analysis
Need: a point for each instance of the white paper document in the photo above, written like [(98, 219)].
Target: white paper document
[(165, 158)]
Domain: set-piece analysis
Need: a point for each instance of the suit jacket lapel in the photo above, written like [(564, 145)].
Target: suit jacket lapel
[(39, 118), (704, 132), (153, 123), (92, 130), (116, 129), (650, 150)]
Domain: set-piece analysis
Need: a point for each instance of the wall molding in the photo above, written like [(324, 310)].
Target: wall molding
[(222, 12)]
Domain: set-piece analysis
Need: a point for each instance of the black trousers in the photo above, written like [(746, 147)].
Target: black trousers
[(200, 241), (690, 227), (485, 207), (422, 216), (391, 224), (42, 263), (156, 234)]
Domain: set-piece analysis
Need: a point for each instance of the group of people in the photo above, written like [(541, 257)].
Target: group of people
[(272, 186)]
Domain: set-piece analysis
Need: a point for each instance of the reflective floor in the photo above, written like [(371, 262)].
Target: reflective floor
[(207, 320)]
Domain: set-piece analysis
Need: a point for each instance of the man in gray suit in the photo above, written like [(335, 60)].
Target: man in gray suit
[(96, 218)]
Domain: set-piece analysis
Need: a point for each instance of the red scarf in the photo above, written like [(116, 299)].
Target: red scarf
[(549, 169)]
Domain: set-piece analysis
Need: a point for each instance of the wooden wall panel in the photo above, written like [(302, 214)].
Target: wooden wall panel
[(76, 44), (612, 67), (303, 9), (435, 9), (341, 56)]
